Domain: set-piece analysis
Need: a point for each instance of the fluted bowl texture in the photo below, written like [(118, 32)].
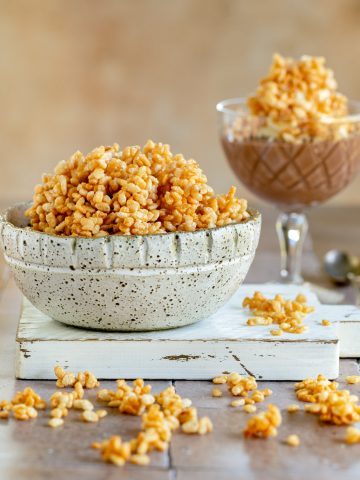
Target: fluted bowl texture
[(128, 283)]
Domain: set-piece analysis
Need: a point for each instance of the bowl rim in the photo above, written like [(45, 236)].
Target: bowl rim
[(222, 107), (255, 218)]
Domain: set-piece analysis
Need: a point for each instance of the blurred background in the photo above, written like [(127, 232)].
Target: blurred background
[(76, 74)]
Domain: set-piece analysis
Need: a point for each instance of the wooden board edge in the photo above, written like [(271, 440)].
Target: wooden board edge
[(184, 362)]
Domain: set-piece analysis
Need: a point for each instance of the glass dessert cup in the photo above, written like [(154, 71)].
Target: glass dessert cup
[(292, 175)]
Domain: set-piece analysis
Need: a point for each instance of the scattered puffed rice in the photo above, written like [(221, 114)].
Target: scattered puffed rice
[(216, 392), (140, 459), (30, 398), (83, 405), (293, 408), (352, 435), (89, 416), (4, 414), (289, 315), (220, 380), (5, 408), (353, 379), (332, 405), (239, 402), (55, 422), (293, 440), (59, 412), (264, 424), (82, 379), (23, 412), (249, 408), (325, 323), (101, 413), (239, 385)]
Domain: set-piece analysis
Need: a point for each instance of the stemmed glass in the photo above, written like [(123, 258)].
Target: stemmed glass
[(293, 176)]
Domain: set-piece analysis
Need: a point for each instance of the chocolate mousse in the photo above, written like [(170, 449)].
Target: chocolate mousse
[(294, 142), (293, 175)]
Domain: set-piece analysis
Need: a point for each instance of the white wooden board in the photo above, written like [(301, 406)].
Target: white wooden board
[(221, 343)]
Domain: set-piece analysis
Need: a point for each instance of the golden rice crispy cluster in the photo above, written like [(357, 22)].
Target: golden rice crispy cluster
[(296, 99), (131, 192)]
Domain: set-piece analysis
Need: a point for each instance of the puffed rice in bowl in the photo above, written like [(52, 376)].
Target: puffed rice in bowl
[(122, 281)]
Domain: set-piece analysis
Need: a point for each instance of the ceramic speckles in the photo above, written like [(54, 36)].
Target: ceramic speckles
[(129, 283)]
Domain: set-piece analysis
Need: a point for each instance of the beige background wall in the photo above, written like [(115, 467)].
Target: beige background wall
[(75, 74)]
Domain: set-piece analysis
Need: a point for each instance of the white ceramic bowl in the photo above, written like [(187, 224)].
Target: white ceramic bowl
[(129, 283)]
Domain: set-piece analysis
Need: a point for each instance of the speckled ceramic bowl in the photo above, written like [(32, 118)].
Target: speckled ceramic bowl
[(129, 283)]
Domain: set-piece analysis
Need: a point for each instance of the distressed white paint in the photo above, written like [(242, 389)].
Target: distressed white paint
[(223, 342)]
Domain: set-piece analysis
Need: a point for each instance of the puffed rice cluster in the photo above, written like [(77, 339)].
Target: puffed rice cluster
[(352, 435), (161, 415), (132, 191), (264, 424), (298, 100), (288, 314), (338, 407), (244, 387), (24, 405)]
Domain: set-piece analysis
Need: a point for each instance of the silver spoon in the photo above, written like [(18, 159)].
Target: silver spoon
[(339, 264), (343, 269)]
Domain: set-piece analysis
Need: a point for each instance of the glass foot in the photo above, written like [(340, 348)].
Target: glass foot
[(291, 229)]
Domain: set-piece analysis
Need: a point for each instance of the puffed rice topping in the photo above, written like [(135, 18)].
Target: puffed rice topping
[(298, 101), (133, 191)]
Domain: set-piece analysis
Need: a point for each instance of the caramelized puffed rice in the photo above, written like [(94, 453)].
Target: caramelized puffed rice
[(85, 405), (293, 408), (325, 323), (293, 440), (249, 408), (4, 414), (264, 424), (334, 406), (289, 315), (216, 392), (114, 450), (55, 422), (220, 380), (352, 435), (82, 380), (131, 400), (296, 100), (353, 379), (5, 408), (29, 398), (21, 411), (201, 426), (140, 459), (314, 389), (158, 422), (62, 399), (239, 402), (131, 192), (89, 416), (158, 419), (59, 412), (240, 386)]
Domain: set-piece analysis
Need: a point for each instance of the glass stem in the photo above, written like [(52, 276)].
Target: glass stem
[(291, 229)]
